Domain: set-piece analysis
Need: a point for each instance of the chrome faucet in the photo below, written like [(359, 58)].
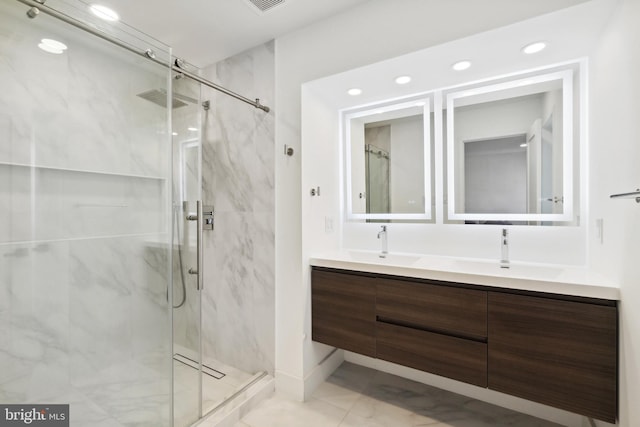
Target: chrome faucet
[(504, 244), (383, 235)]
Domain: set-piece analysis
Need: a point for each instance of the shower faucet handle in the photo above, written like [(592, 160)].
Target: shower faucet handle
[(207, 217)]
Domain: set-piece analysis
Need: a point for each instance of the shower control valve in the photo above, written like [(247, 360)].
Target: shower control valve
[(207, 217)]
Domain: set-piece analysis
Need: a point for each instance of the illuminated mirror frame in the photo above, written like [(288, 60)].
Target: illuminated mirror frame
[(566, 77), (373, 110)]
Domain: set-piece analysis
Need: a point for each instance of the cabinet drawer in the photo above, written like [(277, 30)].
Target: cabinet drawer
[(456, 358), (560, 353), (343, 311), (456, 311)]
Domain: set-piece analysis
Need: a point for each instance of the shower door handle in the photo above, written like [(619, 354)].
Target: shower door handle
[(198, 217), (199, 251)]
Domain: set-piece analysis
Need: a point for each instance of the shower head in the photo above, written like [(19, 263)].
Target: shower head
[(159, 97)]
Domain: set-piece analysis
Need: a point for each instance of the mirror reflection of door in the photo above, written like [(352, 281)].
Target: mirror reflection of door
[(507, 149), (495, 174), (377, 183)]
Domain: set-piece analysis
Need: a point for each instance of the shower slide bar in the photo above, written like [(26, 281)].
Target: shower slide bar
[(38, 6)]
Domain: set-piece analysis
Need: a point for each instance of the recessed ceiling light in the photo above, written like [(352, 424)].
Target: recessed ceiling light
[(354, 91), (52, 46), (103, 12), (523, 145), (403, 80), (534, 47), (192, 129), (174, 133), (461, 65)]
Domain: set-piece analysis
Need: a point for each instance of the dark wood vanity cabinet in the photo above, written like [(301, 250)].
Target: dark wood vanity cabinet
[(560, 353), (343, 311), (444, 309), (557, 350), (438, 329)]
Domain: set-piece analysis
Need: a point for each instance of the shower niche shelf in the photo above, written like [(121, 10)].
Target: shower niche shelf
[(60, 169)]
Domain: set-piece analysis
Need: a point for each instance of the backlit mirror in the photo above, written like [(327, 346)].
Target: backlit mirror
[(510, 151), (388, 161)]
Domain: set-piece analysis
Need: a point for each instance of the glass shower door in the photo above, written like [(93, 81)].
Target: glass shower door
[(187, 360), (84, 203)]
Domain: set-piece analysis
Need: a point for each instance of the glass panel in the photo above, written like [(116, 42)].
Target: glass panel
[(84, 169), (186, 297), (388, 160), (511, 148), (237, 299)]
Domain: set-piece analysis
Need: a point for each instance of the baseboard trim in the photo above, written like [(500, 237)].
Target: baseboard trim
[(322, 371), (301, 389), (290, 385)]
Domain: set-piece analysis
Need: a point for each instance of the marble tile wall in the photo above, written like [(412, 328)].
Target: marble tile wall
[(78, 110), (238, 307), (84, 317)]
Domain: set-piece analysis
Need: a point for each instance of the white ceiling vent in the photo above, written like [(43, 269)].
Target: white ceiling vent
[(265, 5)]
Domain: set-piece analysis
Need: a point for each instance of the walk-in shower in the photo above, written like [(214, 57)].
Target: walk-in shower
[(99, 303)]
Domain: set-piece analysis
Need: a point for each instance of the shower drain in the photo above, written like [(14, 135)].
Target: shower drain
[(195, 365)]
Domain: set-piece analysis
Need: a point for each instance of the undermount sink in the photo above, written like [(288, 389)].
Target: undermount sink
[(540, 272), (389, 259)]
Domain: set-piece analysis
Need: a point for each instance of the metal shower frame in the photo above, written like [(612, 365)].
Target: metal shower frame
[(38, 6)]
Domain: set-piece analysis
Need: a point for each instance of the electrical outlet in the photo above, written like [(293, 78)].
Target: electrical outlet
[(328, 224)]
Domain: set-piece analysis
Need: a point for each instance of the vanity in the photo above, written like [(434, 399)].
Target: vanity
[(447, 170), (543, 333)]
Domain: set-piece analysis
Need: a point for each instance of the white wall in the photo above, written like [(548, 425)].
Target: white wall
[(615, 150), (329, 47)]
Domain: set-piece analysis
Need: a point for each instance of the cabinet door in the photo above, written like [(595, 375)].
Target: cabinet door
[(343, 311), (442, 309), (560, 353)]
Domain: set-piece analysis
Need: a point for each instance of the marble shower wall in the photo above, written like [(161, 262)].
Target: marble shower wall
[(238, 306), (84, 167)]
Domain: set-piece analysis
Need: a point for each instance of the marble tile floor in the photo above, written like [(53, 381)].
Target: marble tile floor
[(134, 393), (355, 396)]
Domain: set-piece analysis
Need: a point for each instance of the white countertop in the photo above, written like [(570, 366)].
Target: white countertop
[(555, 279)]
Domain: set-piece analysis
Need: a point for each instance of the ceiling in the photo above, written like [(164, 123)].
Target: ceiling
[(570, 34), (205, 31)]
